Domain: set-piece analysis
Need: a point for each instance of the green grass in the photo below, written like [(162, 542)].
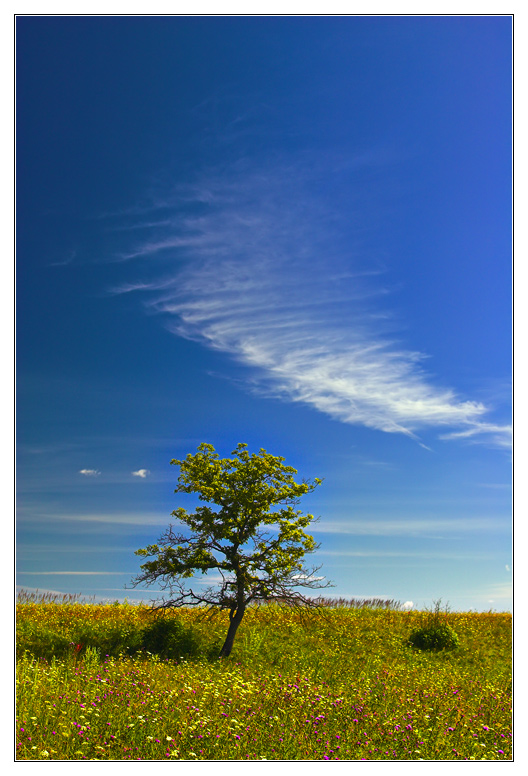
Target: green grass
[(346, 685)]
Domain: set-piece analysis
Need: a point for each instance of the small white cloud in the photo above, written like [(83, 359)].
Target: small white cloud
[(307, 577), (408, 605), (141, 473), (90, 472), (507, 568)]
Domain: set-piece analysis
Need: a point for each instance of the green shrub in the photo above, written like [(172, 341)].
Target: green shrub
[(114, 641), (168, 638), (435, 634), (41, 642), (435, 637)]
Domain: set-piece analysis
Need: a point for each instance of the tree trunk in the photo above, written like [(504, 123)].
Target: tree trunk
[(235, 620)]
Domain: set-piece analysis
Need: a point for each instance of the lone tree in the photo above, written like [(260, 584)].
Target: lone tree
[(255, 539)]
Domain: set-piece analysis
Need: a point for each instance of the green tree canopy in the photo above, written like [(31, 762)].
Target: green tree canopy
[(254, 539)]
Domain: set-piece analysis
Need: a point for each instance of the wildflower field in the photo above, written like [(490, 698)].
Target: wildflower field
[(341, 684)]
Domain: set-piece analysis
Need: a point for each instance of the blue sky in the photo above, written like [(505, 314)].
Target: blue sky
[(293, 232)]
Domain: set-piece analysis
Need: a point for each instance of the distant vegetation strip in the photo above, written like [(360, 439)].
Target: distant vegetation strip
[(36, 596)]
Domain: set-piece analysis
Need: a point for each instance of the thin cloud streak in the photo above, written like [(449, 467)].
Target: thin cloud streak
[(417, 554), (368, 527), (501, 435), (126, 518), (244, 269), (78, 573), (424, 527)]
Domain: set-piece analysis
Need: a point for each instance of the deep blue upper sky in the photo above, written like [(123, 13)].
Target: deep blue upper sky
[(293, 232)]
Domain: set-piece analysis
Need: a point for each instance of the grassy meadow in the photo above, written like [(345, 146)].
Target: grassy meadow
[(100, 682)]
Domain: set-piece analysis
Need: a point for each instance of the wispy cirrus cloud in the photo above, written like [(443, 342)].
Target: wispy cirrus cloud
[(256, 263), (90, 472), (500, 435)]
